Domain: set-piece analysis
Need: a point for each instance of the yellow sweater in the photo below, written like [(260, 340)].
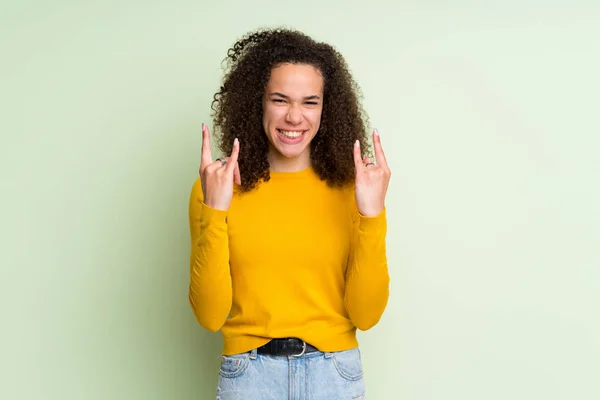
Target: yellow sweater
[(292, 258)]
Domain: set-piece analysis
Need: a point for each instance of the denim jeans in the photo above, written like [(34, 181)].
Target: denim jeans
[(312, 376)]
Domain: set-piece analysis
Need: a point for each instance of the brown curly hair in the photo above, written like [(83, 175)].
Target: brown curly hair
[(237, 106)]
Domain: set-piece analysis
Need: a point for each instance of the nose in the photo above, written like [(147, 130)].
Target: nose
[(294, 115)]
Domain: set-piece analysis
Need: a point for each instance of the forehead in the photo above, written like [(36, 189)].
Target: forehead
[(298, 78)]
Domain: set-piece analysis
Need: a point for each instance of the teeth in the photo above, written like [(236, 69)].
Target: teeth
[(291, 134)]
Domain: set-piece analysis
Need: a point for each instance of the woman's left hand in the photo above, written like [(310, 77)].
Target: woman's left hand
[(372, 179)]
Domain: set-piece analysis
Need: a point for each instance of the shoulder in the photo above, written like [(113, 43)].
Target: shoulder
[(348, 194)]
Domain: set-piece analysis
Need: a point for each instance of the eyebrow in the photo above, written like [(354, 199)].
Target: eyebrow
[(313, 97)]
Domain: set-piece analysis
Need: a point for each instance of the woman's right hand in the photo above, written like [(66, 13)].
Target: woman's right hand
[(218, 176)]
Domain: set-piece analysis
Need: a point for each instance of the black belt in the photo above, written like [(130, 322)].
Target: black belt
[(286, 347)]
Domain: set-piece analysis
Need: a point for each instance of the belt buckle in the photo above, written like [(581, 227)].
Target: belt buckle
[(303, 350)]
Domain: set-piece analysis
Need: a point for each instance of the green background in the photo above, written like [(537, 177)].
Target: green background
[(488, 112)]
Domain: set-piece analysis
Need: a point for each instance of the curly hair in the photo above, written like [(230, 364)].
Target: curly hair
[(237, 106)]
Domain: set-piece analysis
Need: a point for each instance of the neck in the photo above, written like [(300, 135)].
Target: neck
[(279, 163)]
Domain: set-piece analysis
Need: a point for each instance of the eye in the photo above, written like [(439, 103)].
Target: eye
[(312, 103), (278, 101)]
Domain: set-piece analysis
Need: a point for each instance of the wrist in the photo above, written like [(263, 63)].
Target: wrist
[(216, 206), (371, 212)]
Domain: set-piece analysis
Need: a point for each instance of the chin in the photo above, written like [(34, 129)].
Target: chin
[(290, 154)]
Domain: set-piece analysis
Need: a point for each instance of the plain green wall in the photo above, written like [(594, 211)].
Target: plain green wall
[(489, 115)]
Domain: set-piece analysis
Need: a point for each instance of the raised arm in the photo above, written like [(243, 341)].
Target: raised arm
[(367, 277), (210, 291)]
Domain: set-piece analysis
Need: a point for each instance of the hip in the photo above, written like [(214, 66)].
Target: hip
[(314, 375)]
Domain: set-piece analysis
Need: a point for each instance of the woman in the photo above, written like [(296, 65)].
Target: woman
[(288, 233)]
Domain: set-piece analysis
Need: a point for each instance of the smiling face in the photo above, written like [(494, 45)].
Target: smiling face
[(292, 106)]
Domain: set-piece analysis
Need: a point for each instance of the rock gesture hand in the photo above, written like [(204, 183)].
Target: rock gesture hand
[(372, 179), (218, 176)]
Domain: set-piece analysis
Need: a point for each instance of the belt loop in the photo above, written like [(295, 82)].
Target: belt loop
[(253, 354)]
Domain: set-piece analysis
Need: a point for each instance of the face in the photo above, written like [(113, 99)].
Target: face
[(292, 106)]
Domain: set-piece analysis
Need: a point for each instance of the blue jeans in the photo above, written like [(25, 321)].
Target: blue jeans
[(312, 376)]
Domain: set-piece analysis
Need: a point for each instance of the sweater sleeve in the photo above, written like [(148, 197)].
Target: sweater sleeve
[(210, 291), (367, 277)]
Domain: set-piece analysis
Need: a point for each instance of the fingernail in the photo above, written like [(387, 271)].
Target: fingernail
[(376, 132), (357, 144), (203, 127), (236, 142)]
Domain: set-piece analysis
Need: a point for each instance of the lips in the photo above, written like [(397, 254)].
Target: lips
[(290, 137)]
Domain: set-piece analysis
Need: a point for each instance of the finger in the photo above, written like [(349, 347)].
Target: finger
[(357, 159), (379, 155), (237, 178), (206, 153), (232, 161), (214, 166)]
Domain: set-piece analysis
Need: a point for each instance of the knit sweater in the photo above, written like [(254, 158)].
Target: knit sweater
[(292, 258)]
